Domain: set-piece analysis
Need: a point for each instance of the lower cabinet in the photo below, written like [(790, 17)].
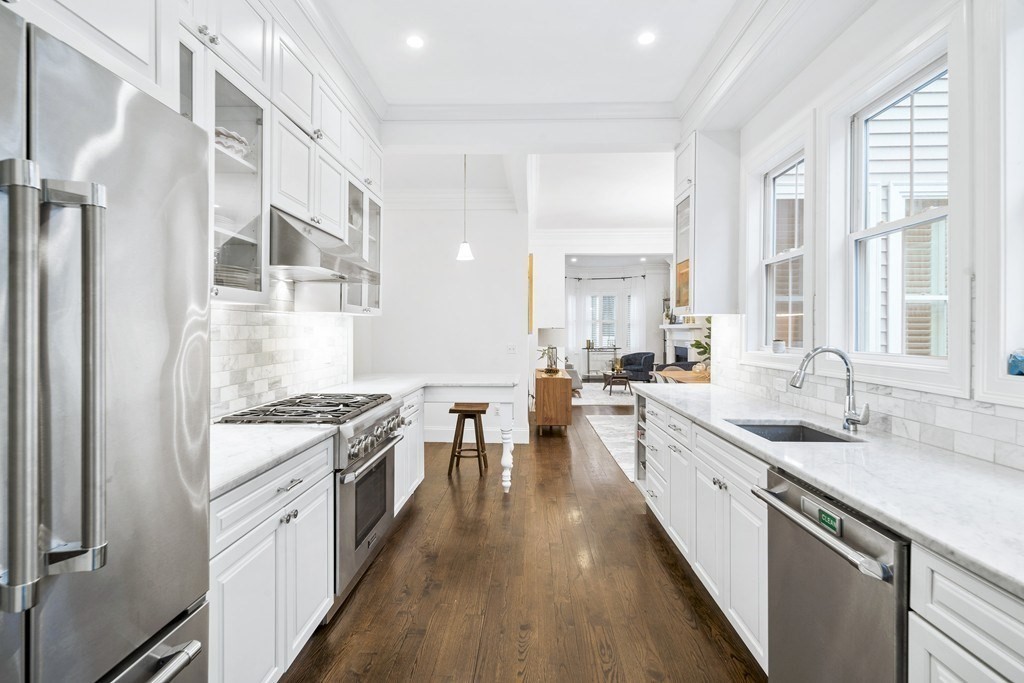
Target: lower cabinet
[(409, 455), (935, 658), (707, 509), (270, 589)]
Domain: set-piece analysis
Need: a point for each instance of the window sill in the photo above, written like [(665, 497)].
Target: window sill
[(775, 361), (930, 375)]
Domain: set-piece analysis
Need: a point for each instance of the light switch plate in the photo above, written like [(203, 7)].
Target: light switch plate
[(512, 349)]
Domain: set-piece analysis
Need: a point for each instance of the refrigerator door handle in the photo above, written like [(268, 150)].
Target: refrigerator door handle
[(91, 553), (19, 179), (174, 664)]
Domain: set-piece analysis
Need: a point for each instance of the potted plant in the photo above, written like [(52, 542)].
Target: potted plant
[(703, 346)]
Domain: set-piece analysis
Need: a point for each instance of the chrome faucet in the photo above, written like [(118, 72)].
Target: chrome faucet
[(851, 416)]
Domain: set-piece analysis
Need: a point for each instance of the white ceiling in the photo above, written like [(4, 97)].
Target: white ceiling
[(584, 261), (444, 172), (529, 51), (594, 192)]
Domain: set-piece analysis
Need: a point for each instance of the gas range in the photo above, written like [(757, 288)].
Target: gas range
[(366, 422)]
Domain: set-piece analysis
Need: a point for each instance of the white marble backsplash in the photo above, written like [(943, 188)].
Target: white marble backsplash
[(262, 354), (982, 430)]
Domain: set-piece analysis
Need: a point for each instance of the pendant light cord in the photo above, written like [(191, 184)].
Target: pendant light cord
[(465, 209)]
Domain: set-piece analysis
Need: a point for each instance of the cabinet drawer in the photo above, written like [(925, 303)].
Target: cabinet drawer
[(657, 451), (656, 496), (239, 511), (657, 414), (412, 401), (985, 620), (679, 428), (932, 657), (724, 455)]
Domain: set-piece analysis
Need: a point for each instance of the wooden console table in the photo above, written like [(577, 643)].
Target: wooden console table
[(554, 399)]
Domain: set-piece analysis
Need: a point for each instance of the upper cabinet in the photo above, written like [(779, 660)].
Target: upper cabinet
[(707, 224), (294, 80), (354, 146), (328, 118), (294, 153), (136, 39), (240, 187), (239, 31)]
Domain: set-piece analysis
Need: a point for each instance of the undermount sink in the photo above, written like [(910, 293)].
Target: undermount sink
[(792, 432)]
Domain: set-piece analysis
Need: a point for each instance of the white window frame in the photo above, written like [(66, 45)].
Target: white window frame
[(601, 321), (793, 141), (949, 375), (767, 245)]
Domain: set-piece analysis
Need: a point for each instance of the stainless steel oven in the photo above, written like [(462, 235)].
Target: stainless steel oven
[(365, 511)]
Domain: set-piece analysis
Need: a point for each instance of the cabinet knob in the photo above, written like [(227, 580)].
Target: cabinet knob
[(286, 519), (214, 40), (295, 514), (318, 134), (368, 181), (215, 291), (716, 482), (203, 29)]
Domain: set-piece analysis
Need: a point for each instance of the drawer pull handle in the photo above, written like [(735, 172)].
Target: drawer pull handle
[(674, 449), (653, 413), (652, 448), (292, 484), (675, 427)]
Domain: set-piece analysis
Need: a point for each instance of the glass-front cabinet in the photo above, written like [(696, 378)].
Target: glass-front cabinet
[(239, 187), (364, 237), (683, 275)]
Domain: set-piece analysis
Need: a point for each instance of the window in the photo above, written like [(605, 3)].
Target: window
[(899, 237), (783, 260), (601, 311)]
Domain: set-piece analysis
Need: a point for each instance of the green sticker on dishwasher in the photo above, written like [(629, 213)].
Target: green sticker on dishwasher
[(828, 521)]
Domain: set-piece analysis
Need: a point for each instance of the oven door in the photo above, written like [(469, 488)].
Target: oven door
[(365, 509)]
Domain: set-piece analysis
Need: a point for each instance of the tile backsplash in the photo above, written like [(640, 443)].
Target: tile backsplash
[(981, 430), (263, 354)]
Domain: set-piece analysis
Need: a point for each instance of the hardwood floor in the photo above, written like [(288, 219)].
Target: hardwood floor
[(564, 579)]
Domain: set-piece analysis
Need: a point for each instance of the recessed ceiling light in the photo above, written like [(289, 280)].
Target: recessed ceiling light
[(573, 259), (645, 38), (415, 42), (643, 258)]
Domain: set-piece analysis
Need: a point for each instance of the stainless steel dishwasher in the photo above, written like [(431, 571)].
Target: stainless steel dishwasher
[(837, 589)]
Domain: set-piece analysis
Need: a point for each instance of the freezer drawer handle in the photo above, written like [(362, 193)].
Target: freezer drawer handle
[(174, 664), (867, 565), (20, 179), (91, 552)]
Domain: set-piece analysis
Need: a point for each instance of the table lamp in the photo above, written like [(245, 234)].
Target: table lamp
[(549, 339)]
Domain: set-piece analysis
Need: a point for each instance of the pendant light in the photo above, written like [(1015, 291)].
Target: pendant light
[(465, 253)]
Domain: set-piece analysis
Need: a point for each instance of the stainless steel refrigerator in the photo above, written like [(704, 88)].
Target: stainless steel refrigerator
[(104, 310)]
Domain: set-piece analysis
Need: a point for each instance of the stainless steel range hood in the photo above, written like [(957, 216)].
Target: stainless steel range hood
[(302, 252)]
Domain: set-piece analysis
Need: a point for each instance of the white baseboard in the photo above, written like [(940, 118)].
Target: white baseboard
[(446, 434)]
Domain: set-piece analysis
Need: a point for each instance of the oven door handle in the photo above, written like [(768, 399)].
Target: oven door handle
[(349, 477)]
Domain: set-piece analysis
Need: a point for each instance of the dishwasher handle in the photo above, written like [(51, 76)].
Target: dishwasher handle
[(867, 565)]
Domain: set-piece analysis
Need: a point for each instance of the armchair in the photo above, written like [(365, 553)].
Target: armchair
[(638, 366)]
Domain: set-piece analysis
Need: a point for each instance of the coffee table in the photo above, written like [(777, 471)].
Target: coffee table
[(612, 379)]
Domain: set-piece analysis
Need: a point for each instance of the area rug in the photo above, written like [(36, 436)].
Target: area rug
[(617, 433), (593, 395)]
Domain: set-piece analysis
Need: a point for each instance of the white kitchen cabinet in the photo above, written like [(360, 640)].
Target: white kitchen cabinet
[(409, 454), (239, 185), (685, 165), (708, 529), (354, 146), (309, 564), (292, 168), (974, 615), (294, 80), (935, 658), (329, 201), (246, 608), (681, 506), (374, 170), (240, 31), (364, 234), (746, 594), (707, 225), (328, 118), (272, 579), (136, 39)]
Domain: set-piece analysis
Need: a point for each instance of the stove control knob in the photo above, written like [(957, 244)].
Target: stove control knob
[(378, 432)]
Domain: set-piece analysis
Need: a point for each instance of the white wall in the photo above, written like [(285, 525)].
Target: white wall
[(443, 315)]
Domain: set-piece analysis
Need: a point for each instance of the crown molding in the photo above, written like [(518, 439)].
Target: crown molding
[(451, 200), (345, 54), (531, 112)]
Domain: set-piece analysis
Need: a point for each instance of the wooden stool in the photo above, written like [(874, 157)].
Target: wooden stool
[(474, 411)]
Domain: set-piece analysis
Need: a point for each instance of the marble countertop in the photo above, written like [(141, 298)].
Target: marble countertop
[(962, 508), (240, 452)]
